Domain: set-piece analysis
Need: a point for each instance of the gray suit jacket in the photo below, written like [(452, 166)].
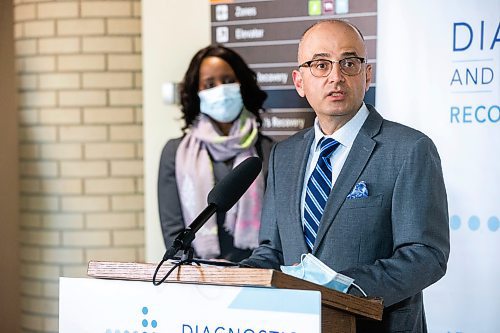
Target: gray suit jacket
[(394, 243)]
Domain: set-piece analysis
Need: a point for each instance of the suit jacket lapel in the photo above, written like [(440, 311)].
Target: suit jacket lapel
[(299, 168), (356, 161)]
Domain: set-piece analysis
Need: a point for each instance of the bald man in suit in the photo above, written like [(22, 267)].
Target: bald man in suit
[(392, 237)]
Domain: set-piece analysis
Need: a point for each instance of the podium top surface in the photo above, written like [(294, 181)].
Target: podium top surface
[(236, 276)]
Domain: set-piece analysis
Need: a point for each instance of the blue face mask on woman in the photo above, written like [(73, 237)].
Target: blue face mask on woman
[(222, 103)]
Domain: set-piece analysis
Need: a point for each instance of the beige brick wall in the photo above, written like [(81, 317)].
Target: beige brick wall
[(80, 143)]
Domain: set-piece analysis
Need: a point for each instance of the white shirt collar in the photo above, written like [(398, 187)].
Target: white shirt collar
[(347, 133)]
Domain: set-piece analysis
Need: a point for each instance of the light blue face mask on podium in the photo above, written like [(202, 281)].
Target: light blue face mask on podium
[(314, 270)]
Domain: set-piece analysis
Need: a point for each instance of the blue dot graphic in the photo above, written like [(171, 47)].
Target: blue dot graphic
[(493, 223), (455, 222), (145, 310), (144, 323), (154, 323), (474, 223)]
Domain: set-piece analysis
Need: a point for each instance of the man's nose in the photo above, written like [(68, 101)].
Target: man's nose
[(336, 74)]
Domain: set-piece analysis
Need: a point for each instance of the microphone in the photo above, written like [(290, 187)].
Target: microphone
[(220, 199)]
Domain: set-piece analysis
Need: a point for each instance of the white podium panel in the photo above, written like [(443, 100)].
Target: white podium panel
[(115, 306)]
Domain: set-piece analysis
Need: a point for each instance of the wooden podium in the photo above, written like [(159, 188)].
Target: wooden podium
[(338, 310)]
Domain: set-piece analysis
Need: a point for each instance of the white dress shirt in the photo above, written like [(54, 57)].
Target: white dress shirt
[(345, 136)]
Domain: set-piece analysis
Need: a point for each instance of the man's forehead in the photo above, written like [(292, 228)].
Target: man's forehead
[(329, 37)]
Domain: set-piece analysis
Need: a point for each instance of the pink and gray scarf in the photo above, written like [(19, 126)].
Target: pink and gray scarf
[(195, 178)]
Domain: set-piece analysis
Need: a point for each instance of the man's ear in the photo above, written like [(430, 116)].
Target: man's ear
[(368, 77), (297, 81)]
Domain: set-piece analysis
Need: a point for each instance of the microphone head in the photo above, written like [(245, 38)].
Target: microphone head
[(230, 189)]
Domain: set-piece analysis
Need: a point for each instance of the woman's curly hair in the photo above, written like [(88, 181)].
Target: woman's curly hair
[(253, 96)]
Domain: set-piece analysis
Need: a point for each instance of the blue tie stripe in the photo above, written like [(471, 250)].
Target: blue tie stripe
[(314, 211), (318, 189), (310, 234), (328, 148), (309, 244), (315, 204), (327, 162), (324, 172), (311, 226), (312, 230)]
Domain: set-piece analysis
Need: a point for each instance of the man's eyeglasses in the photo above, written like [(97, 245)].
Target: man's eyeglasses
[(323, 67)]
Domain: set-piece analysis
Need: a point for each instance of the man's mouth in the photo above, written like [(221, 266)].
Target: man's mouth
[(335, 94)]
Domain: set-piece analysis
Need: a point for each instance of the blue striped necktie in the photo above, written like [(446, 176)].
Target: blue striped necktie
[(318, 189)]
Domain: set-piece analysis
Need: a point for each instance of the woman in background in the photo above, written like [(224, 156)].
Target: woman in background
[(220, 102)]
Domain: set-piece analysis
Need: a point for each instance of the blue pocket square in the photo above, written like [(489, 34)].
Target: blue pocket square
[(359, 191)]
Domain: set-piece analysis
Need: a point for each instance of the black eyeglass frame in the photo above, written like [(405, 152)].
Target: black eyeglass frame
[(308, 64)]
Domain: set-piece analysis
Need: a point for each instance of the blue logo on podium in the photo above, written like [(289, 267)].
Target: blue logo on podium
[(145, 324)]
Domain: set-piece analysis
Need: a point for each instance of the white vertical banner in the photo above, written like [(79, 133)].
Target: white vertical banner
[(438, 71)]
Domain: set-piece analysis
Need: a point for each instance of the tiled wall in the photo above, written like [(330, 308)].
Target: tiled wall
[(81, 168)]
